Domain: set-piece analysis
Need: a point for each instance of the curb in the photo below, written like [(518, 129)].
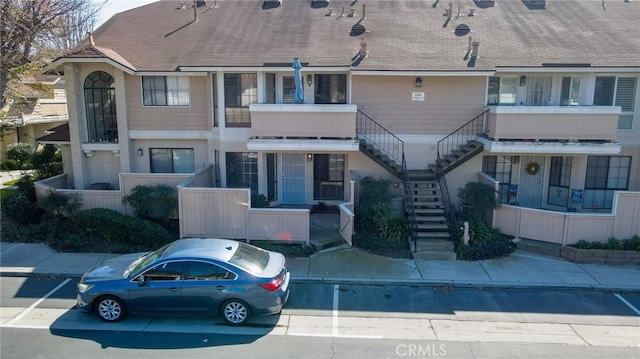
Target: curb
[(390, 282)]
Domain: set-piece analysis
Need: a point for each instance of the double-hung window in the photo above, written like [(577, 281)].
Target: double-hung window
[(240, 91), (539, 91), (242, 171), (499, 167), (559, 181), (330, 89), (165, 91), (502, 90), (172, 160), (570, 91), (605, 175), (617, 91)]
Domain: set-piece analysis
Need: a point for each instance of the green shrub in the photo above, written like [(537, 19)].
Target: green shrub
[(485, 242), (632, 244), (19, 207), (47, 162), (582, 244), (9, 165), (479, 197), (259, 201), (117, 228), (21, 153), (158, 203), (396, 229), (58, 205), (375, 194), (613, 244)]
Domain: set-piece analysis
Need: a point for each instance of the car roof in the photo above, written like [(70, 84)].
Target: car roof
[(210, 248)]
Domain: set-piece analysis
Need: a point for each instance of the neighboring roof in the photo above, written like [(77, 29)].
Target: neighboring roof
[(56, 135), (405, 35)]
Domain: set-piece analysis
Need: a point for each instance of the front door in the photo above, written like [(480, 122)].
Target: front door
[(531, 181), (294, 168)]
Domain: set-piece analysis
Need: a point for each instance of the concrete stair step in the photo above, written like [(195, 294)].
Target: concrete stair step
[(433, 235), (429, 211), (433, 227), (434, 245), (431, 219), (435, 255)]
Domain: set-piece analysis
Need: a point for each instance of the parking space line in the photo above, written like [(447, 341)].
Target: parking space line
[(27, 310), (627, 303), (336, 292)]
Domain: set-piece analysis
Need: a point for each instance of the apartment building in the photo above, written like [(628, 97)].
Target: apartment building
[(538, 98)]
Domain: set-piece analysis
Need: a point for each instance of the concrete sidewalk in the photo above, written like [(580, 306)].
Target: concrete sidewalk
[(521, 269)]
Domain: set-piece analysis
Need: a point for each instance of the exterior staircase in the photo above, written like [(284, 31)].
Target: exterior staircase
[(427, 201)]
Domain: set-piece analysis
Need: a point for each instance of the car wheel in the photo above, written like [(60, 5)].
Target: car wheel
[(110, 309), (235, 312)]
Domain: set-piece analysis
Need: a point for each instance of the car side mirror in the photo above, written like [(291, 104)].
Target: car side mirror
[(142, 280)]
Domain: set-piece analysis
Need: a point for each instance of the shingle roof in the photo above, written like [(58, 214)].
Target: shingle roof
[(400, 34)]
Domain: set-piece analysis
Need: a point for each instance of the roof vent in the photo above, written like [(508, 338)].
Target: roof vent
[(535, 4), (483, 4)]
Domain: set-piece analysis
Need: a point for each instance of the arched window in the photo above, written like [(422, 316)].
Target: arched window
[(100, 104)]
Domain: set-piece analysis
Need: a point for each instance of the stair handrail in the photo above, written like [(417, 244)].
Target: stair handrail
[(463, 134), (381, 138), (408, 194)]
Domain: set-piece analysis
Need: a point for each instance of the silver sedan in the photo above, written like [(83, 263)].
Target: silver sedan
[(193, 276)]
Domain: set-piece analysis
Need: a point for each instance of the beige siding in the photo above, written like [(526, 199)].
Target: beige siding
[(552, 126), (111, 199), (196, 117), (225, 213), (208, 212), (288, 225), (449, 102), (288, 123), (569, 228)]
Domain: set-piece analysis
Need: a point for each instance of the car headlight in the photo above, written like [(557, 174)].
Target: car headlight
[(83, 287)]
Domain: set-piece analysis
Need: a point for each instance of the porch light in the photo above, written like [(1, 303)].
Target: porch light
[(140, 152), (418, 82), (309, 157), (309, 79), (523, 80)]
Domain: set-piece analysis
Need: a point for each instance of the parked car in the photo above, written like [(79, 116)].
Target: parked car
[(189, 276)]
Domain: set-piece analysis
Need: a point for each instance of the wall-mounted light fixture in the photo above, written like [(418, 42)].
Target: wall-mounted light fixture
[(523, 80), (309, 157), (418, 82), (140, 152), (309, 80)]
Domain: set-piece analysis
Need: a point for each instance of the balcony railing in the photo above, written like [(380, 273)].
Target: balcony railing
[(303, 121), (553, 123)]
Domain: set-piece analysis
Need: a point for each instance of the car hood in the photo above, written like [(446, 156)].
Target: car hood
[(113, 268)]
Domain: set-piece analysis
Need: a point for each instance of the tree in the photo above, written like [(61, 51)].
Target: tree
[(33, 31)]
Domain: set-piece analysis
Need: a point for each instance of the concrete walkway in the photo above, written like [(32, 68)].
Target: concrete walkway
[(344, 264)]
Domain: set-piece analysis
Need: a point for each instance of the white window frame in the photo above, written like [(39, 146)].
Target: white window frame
[(615, 99), (575, 84), (177, 91), (502, 95)]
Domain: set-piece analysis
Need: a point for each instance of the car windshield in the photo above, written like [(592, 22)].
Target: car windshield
[(250, 258), (144, 261)]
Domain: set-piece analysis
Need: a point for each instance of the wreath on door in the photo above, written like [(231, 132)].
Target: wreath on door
[(532, 168)]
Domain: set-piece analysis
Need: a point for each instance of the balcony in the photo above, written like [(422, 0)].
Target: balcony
[(303, 121), (553, 123)]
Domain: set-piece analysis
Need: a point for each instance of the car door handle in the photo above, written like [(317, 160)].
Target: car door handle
[(174, 289), (219, 287)]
